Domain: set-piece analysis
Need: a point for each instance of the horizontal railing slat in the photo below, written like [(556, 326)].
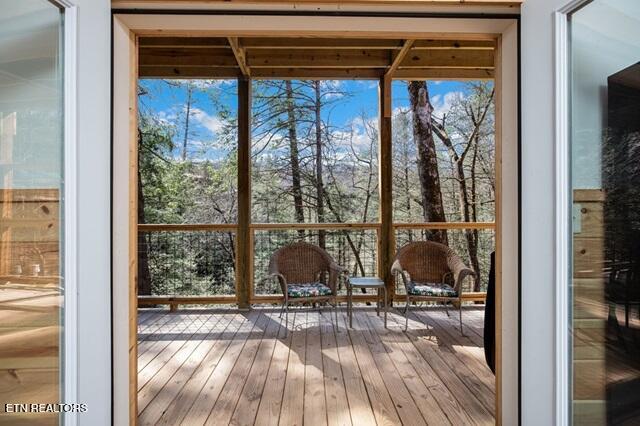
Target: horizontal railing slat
[(159, 227)]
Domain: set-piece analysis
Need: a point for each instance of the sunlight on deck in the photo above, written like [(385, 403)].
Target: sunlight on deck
[(226, 367)]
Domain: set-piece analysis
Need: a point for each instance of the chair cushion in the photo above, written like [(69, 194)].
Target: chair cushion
[(308, 290), (432, 289)]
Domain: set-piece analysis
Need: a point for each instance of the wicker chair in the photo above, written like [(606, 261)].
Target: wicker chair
[(431, 272), (301, 269)]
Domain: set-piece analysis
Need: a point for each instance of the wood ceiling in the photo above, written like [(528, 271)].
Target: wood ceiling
[(309, 58)]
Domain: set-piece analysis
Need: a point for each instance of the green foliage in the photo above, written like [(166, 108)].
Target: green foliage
[(201, 187)]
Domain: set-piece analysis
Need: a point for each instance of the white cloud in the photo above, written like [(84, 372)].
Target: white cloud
[(209, 122), (443, 104)]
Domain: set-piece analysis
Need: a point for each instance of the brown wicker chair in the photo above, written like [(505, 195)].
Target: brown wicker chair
[(307, 274), (431, 272)]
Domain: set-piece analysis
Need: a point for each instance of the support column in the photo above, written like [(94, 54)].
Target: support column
[(386, 237), (243, 235)]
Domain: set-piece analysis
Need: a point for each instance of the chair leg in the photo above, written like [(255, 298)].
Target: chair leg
[(282, 310), (286, 319), (406, 314), (335, 310), (446, 307), (460, 313)]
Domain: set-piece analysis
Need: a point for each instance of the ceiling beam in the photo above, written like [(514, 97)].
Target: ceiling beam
[(317, 58), (454, 44), (195, 72), (240, 53), (178, 42), (187, 57), (315, 73), (448, 59), (319, 43), (397, 60)]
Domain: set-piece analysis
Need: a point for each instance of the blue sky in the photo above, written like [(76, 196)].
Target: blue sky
[(167, 102)]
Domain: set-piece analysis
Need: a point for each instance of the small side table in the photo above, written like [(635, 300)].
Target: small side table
[(366, 282)]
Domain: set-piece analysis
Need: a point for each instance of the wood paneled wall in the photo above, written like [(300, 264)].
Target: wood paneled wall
[(30, 300), (589, 308)]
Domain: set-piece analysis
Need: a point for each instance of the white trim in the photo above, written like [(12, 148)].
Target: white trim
[(70, 206), (124, 24), (563, 228), (562, 225)]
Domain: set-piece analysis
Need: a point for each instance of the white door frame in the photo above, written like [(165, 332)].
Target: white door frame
[(69, 343), (563, 212), (125, 29)]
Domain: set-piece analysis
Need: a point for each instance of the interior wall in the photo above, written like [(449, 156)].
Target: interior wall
[(538, 330), (94, 210)]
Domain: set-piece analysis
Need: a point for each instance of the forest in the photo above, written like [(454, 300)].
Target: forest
[(314, 159)]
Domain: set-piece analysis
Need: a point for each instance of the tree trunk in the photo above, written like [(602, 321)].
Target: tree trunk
[(144, 274), (294, 156), (185, 140), (319, 180), (429, 177), (473, 255)]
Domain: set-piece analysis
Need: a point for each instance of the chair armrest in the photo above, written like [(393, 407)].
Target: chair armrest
[(281, 280), (333, 266), (459, 271), (396, 269), (335, 271)]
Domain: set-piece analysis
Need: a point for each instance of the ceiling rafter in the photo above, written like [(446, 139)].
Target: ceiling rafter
[(304, 57), (397, 60), (241, 56)]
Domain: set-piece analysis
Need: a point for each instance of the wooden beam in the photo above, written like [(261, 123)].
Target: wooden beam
[(168, 71), (187, 56), (296, 43), (446, 225), (397, 60), (243, 235), (386, 240), (133, 228), (318, 73), (186, 227), (454, 44), (449, 59), (306, 226), (240, 54), (444, 74), (318, 58), (179, 42)]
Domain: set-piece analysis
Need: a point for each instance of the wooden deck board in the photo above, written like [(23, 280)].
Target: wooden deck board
[(227, 367)]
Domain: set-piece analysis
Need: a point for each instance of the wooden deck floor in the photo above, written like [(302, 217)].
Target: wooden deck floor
[(227, 367)]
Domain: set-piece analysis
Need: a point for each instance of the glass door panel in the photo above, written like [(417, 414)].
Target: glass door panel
[(605, 150), (31, 208)]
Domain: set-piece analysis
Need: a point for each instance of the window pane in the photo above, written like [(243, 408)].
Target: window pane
[(315, 151), (605, 146), (31, 185)]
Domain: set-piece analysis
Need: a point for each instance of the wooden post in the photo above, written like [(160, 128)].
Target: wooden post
[(386, 237), (243, 240), (133, 229)]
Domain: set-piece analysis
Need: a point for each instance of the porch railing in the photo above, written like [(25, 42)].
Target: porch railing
[(196, 263)]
